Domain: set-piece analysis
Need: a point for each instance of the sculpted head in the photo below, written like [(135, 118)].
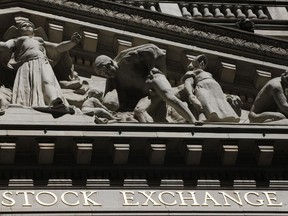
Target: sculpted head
[(105, 66), (200, 62), (26, 28), (246, 24)]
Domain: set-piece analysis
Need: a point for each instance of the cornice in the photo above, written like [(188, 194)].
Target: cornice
[(199, 31), (165, 26), (153, 151)]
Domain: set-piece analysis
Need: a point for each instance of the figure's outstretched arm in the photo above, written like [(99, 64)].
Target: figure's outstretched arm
[(65, 45), (7, 46)]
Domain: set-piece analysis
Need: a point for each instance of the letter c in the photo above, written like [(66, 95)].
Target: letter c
[(165, 203), (67, 203)]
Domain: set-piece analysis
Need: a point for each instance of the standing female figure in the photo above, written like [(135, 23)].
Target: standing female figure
[(205, 94), (35, 84)]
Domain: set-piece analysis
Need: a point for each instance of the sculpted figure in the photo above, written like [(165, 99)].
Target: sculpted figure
[(246, 25), (271, 102), (205, 94), (94, 107), (136, 73), (35, 84)]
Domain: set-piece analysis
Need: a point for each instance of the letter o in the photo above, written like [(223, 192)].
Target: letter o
[(46, 204)]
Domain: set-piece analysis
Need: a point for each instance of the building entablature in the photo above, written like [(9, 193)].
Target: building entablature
[(225, 152)]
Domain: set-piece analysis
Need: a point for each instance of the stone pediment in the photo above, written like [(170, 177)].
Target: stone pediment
[(241, 62)]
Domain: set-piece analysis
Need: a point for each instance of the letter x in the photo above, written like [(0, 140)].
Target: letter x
[(149, 198)]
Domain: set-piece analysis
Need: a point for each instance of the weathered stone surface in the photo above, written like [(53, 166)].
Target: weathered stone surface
[(30, 116)]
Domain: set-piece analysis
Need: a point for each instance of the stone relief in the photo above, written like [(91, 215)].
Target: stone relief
[(142, 70), (271, 102), (138, 76), (93, 106), (35, 83), (205, 94), (41, 76)]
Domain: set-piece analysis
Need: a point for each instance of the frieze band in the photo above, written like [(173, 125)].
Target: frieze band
[(186, 200)]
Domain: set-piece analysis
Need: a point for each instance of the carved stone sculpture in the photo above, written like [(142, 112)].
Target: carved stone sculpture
[(271, 102), (136, 73), (205, 93), (94, 107), (35, 84), (246, 24)]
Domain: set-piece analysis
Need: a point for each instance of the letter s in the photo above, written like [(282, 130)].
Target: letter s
[(12, 201)]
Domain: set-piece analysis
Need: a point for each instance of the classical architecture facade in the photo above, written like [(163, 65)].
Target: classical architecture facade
[(90, 151)]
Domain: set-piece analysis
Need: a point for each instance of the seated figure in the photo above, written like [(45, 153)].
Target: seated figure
[(271, 102), (206, 95)]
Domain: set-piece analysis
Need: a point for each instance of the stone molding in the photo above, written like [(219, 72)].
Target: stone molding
[(202, 32), (207, 152)]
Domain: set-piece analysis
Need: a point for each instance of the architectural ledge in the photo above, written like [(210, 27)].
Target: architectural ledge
[(18, 118), (76, 139)]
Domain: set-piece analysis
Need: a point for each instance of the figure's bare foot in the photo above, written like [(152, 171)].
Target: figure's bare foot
[(99, 120)]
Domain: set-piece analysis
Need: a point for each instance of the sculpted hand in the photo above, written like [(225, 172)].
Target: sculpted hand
[(76, 38), (235, 102), (196, 103)]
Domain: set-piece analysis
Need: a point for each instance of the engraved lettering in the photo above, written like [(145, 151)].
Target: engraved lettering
[(191, 197), (236, 200), (259, 201), (209, 197), (54, 197), (128, 198), (25, 196), (149, 198), (160, 197), (135, 198), (65, 201), (11, 201), (272, 199), (87, 200)]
